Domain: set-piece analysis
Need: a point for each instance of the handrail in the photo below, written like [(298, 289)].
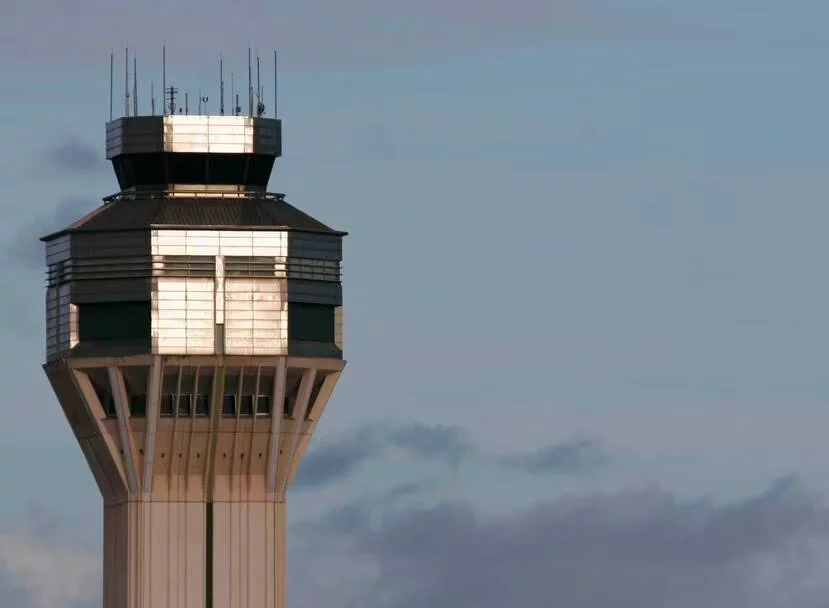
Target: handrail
[(170, 193)]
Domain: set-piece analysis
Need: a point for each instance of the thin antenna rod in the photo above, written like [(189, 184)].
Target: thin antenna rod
[(152, 98), (134, 85), (258, 89), (164, 79), (111, 77), (187, 103), (250, 87), (127, 82), (275, 85), (221, 88), (233, 95)]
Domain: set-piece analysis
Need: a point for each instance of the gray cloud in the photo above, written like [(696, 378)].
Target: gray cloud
[(577, 456), (432, 442), (312, 30), (25, 248), (76, 156), (337, 460), (341, 457), (632, 549)]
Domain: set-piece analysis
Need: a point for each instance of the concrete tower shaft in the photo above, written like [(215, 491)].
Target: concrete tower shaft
[(194, 338)]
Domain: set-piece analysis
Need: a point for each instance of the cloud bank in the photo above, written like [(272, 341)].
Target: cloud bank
[(342, 457), (632, 549)]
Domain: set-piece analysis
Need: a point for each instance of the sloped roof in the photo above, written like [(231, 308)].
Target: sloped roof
[(136, 213)]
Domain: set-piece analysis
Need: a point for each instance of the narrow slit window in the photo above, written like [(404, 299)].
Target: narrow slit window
[(246, 406), (202, 405), (185, 406), (229, 406), (263, 405), (167, 405)]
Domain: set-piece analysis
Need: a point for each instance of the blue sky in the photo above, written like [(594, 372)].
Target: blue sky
[(586, 263)]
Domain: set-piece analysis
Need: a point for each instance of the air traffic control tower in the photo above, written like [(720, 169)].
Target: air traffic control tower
[(194, 337)]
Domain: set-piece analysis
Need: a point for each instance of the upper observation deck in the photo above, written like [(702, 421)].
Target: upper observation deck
[(160, 151)]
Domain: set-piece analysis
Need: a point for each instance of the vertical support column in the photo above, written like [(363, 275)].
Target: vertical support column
[(102, 445), (122, 412), (217, 392), (315, 410), (300, 410), (153, 405), (277, 408)]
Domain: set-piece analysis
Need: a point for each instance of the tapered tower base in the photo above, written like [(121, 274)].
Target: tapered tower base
[(194, 463)]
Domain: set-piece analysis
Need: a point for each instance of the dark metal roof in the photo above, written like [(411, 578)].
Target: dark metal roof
[(137, 213)]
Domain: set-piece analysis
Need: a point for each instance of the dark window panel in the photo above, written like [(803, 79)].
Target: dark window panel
[(113, 321), (259, 170), (226, 169), (311, 322), (186, 168), (148, 169), (138, 406)]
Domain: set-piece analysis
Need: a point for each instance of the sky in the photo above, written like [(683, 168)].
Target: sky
[(585, 292)]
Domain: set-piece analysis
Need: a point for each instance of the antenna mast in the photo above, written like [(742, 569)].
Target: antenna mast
[(152, 98), (111, 76), (127, 82), (221, 88), (134, 85), (259, 106), (164, 80), (275, 80), (250, 87)]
